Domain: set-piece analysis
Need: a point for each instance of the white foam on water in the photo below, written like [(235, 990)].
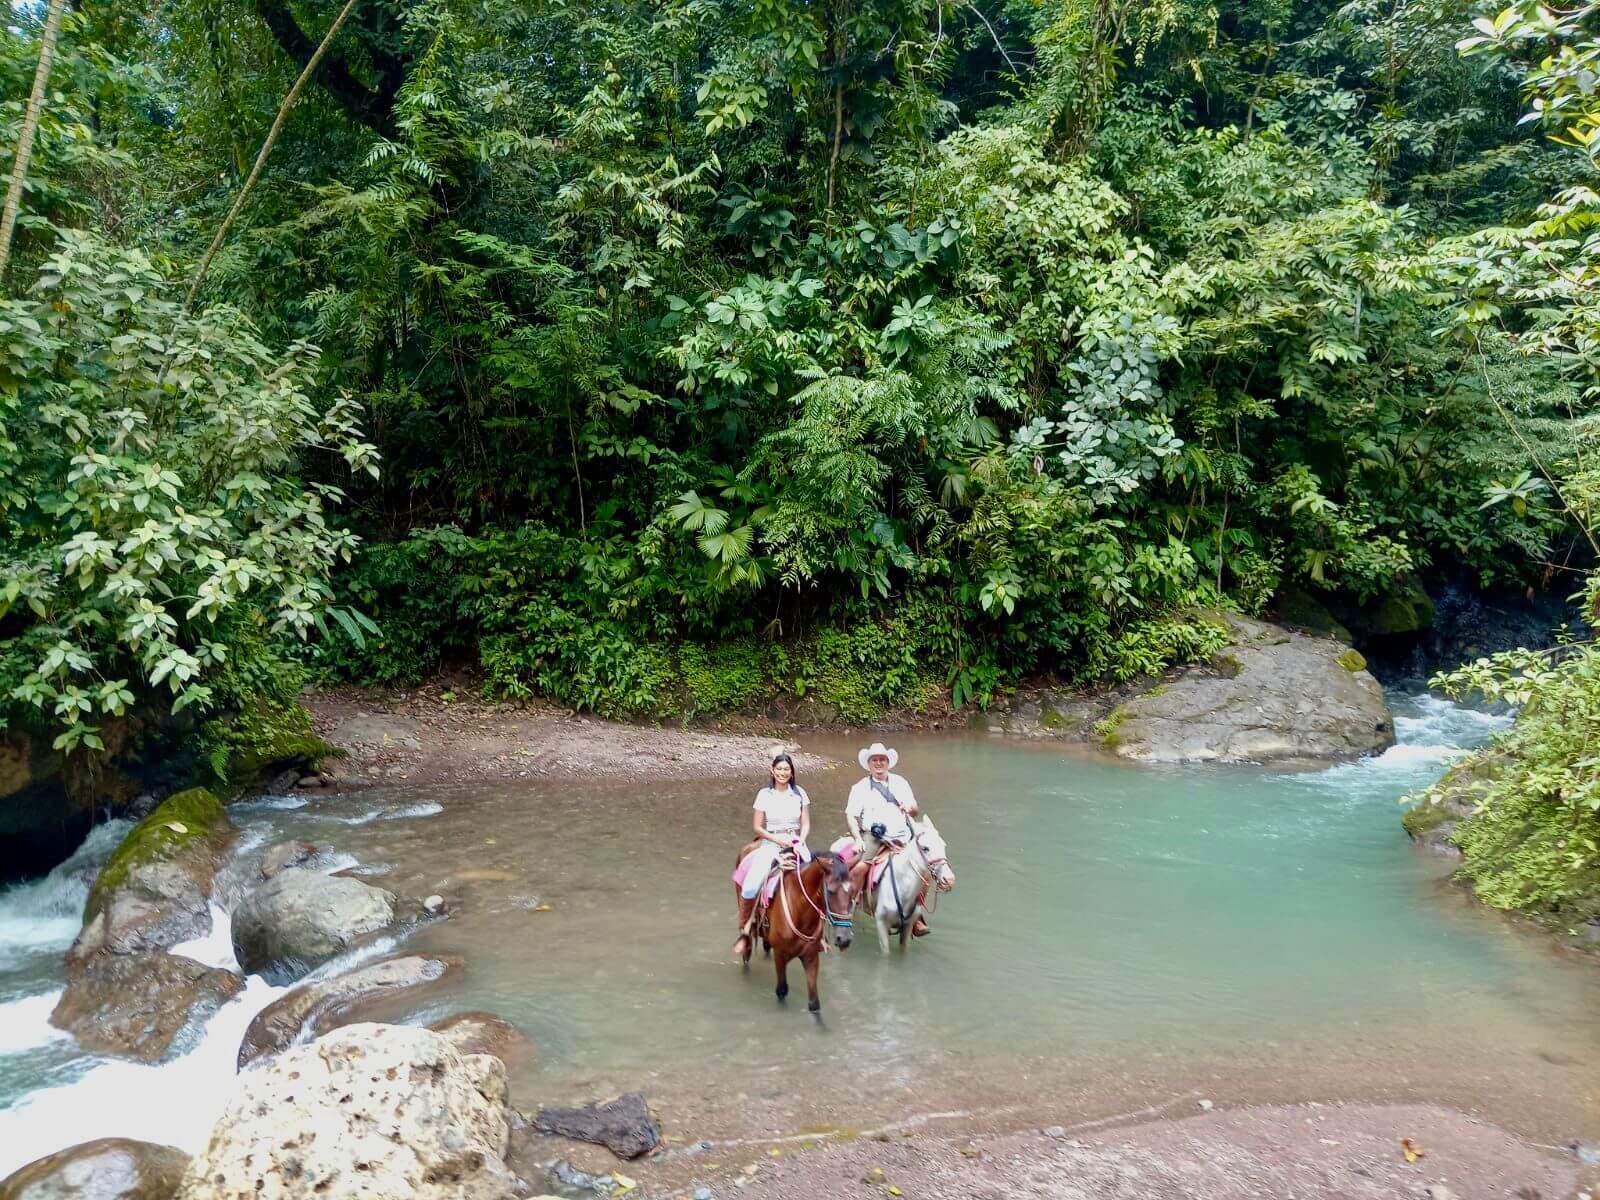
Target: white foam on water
[(44, 914), (427, 809), (214, 949), (25, 1024), (393, 813), (175, 1103), (1430, 733), (276, 803)]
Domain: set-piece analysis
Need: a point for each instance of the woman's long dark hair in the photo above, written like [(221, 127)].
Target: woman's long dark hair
[(794, 776)]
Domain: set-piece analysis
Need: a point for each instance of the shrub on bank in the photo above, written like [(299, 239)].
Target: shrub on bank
[(600, 624)]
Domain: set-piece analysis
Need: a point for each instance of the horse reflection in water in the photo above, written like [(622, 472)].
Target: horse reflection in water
[(812, 903)]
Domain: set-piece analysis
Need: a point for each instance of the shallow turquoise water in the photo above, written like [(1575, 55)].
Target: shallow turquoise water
[(1113, 930)]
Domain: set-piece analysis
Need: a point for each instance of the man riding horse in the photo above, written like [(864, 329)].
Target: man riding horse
[(879, 810)]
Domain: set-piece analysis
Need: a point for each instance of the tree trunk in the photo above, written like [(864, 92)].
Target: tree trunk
[(266, 149), (30, 127)]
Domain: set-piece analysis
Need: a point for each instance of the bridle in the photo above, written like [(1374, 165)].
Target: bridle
[(824, 910), (927, 881)]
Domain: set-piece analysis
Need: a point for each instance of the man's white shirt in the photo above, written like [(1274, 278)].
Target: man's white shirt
[(870, 808)]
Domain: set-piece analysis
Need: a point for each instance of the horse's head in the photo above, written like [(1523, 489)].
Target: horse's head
[(837, 900), (931, 842)]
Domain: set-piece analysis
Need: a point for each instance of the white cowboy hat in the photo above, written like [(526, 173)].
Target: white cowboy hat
[(877, 748)]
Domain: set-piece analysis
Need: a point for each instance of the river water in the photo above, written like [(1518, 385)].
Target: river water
[(1118, 937)]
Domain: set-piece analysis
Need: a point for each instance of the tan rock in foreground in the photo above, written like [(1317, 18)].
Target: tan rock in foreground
[(368, 1112)]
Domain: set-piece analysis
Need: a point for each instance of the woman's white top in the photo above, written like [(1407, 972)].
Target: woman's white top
[(782, 809)]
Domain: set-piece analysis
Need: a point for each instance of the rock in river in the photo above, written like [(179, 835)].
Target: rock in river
[(143, 1006), (1269, 696), (107, 1169), (375, 1111), (315, 1008), (125, 995), (485, 1033), (299, 919), (155, 889), (624, 1125)]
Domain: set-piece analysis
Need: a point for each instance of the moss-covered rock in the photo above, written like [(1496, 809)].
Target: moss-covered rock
[(1299, 609), (189, 826), (1405, 609), (263, 737)]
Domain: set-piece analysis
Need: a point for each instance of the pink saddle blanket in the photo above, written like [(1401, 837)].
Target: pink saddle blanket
[(767, 892)]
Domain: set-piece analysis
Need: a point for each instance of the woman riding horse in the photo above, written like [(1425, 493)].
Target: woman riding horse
[(782, 820)]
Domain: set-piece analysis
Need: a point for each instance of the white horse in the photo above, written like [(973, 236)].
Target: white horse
[(906, 876)]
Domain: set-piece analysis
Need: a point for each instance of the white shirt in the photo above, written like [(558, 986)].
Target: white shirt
[(869, 808), (782, 809)]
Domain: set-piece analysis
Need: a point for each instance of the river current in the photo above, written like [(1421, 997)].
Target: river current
[(1118, 937)]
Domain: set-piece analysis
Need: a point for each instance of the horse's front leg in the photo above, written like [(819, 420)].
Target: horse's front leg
[(810, 963), (780, 960), (880, 920)]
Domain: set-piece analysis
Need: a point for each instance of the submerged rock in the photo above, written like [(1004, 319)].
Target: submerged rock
[(1269, 696), (299, 919), (624, 1125), (485, 1033), (313, 1009), (106, 1169), (365, 1111), (283, 855), (141, 1006)]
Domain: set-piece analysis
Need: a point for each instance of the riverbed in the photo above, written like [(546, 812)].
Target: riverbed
[(1118, 939)]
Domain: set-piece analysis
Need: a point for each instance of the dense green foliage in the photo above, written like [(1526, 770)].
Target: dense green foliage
[(718, 353), (1531, 837)]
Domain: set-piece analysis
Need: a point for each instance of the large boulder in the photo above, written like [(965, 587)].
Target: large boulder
[(299, 919), (155, 889), (106, 1169), (1269, 696), (313, 1009), (147, 1006), (125, 995), (374, 1111)]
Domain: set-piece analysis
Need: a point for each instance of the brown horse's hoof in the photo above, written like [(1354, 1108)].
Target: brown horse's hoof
[(813, 1005)]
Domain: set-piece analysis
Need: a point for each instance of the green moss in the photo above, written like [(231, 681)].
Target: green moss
[(1106, 728), (262, 735), (1299, 609), (1049, 718), (177, 822), (1228, 664), (1425, 816), (1408, 609), (1353, 661)]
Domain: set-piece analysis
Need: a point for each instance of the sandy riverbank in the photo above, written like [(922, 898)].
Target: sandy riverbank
[(1351, 1151), (442, 732)]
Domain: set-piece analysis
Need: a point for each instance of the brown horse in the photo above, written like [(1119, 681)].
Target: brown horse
[(811, 903)]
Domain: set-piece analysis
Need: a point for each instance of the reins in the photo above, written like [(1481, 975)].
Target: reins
[(927, 882), (824, 911)]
